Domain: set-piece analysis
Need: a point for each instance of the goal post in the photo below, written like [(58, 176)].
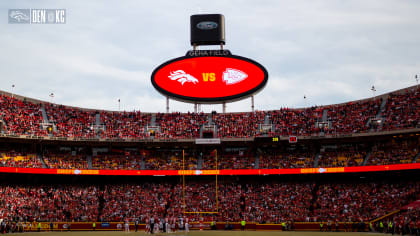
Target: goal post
[(183, 188)]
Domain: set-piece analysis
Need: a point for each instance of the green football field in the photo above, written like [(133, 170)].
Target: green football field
[(198, 233)]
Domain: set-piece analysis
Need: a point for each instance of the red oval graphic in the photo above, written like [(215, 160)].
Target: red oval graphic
[(209, 79)]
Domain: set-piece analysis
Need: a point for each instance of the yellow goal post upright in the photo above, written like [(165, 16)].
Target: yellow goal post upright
[(183, 188)]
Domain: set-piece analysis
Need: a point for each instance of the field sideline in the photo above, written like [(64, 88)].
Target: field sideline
[(198, 233)]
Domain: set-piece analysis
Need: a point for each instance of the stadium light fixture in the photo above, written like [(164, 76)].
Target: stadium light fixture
[(13, 87), (373, 90), (51, 96)]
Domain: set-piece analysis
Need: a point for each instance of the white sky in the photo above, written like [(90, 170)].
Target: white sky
[(332, 51)]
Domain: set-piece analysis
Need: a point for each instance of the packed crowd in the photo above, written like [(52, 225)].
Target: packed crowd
[(23, 117), (356, 202), (147, 160), (177, 125), (273, 159), (135, 201), (341, 158), (238, 124), (13, 159), (238, 159), (386, 152), (63, 161), (116, 162), (277, 202), (123, 124), (352, 117), (394, 153), (20, 117), (48, 203), (334, 159), (265, 202), (402, 110), (71, 122), (170, 160), (64, 158), (295, 121), (381, 157)]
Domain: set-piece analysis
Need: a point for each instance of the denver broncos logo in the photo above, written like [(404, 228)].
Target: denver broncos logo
[(19, 16), (182, 77)]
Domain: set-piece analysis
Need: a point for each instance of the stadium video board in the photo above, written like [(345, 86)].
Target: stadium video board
[(212, 76)]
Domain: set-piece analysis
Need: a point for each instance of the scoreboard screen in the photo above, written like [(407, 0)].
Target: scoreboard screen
[(292, 139), (217, 78)]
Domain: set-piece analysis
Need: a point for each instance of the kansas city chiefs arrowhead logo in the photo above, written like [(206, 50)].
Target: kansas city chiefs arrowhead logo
[(182, 77), (233, 76)]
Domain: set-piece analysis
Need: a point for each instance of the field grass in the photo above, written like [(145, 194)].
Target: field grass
[(197, 233)]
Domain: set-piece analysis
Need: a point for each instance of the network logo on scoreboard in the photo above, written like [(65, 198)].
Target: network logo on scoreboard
[(37, 16)]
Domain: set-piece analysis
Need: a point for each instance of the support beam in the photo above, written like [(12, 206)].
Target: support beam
[(252, 103)]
